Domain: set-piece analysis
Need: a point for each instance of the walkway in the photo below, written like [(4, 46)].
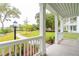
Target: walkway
[(66, 48), (22, 37)]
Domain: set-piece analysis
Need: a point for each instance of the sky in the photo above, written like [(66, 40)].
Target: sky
[(28, 10)]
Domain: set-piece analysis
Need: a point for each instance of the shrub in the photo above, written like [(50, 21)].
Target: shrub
[(51, 40), (34, 27), (7, 30), (1, 31), (28, 27)]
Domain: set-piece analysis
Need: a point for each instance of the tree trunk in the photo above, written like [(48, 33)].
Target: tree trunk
[(2, 26)]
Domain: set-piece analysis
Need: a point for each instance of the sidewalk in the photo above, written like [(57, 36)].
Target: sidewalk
[(20, 36), (34, 42)]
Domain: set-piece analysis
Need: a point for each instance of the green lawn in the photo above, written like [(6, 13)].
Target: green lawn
[(10, 36), (36, 33), (28, 34), (49, 34), (7, 37), (71, 35)]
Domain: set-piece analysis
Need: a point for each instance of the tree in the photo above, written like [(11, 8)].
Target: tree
[(7, 12), (49, 20), (26, 21), (28, 27), (35, 27), (20, 27)]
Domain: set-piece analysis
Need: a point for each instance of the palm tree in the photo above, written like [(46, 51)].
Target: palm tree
[(7, 12)]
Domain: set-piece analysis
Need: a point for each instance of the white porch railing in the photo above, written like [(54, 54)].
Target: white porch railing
[(21, 47)]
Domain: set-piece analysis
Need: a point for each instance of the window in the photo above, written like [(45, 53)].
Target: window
[(73, 20), (73, 28)]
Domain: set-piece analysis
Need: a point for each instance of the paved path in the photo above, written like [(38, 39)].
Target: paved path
[(20, 36)]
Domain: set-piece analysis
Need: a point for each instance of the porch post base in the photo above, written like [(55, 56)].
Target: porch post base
[(43, 54), (59, 42)]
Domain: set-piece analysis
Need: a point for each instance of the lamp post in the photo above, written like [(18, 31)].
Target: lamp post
[(15, 26)]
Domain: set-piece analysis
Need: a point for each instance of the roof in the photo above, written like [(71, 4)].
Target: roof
[(65, 9)]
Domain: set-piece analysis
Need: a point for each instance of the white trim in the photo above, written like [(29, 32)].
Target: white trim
[(18, 41), (42, 26), (56, 29), (66, 9), (61, 28), (51, 9)]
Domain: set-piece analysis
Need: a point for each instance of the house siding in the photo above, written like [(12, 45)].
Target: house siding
[(78, 24), (69, 24)]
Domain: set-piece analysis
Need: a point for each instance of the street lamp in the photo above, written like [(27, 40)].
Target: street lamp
[(15, 26)]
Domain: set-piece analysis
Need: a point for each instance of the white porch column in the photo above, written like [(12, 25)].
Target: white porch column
[(61, 28), (42, 27), (61, 25), (56, 29), (69, 30), (66, 28)]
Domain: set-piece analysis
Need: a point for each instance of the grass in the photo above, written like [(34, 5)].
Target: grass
[(7, 37), (49, 34), (10, 36), (36, 33), (71, 35), (28, 34), (6, 49)]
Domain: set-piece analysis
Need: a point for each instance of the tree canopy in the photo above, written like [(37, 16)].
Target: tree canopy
[(7, 12), (49, 20)]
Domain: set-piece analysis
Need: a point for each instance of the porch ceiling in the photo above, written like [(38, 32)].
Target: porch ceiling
[(65, 9)]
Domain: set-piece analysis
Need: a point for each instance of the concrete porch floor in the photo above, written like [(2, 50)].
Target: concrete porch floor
[(65, 48)]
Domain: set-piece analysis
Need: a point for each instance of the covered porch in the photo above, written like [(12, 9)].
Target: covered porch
[(36, 45), (61, 11)]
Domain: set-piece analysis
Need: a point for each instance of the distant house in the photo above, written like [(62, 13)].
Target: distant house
[(49, 29), (72, 25)]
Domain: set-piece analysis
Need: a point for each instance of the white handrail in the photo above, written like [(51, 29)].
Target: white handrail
[(30, 50), (12, 42)]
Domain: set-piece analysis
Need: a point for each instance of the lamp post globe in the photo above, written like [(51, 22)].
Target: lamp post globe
[(15, 23)]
